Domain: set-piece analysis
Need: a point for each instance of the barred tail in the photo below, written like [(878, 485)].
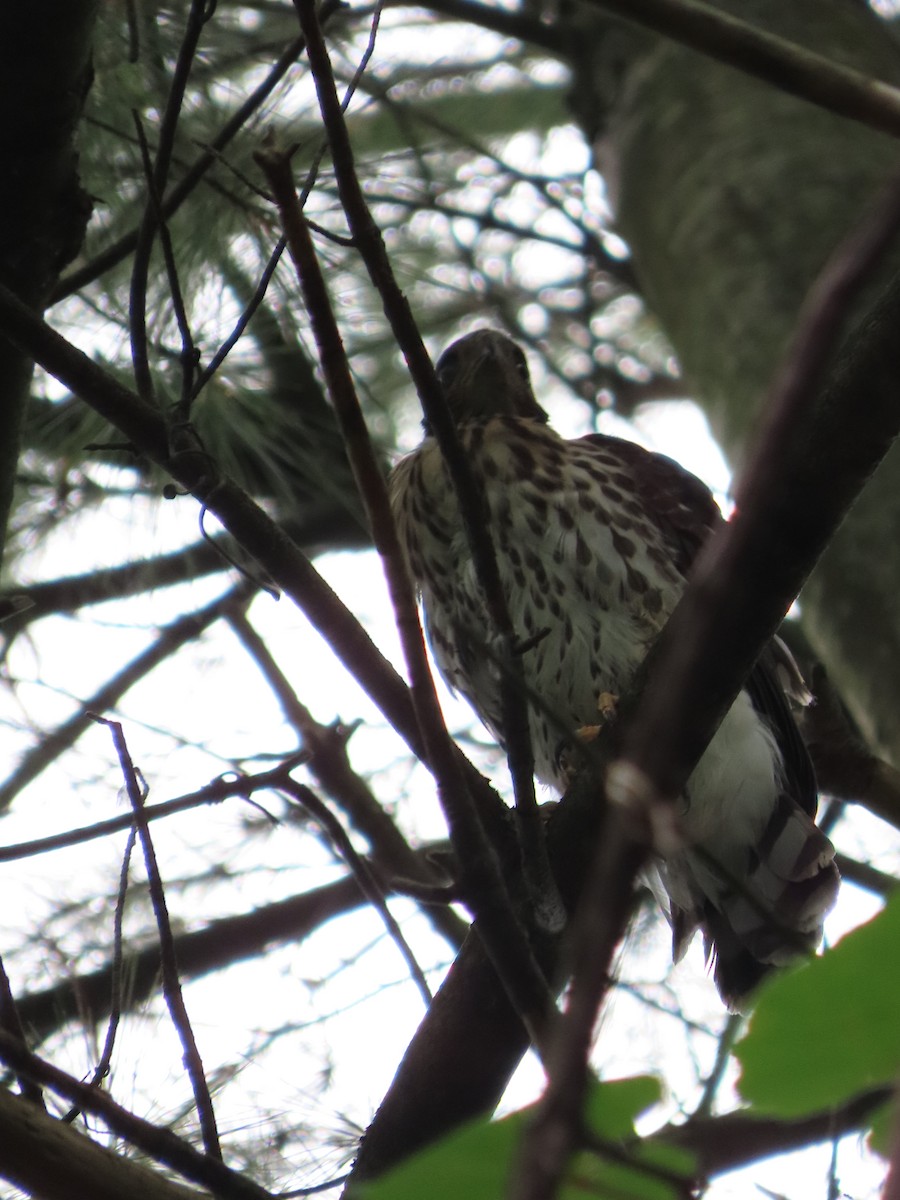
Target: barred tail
[(767, 913)]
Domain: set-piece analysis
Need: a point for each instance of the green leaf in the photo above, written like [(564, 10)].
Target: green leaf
[(883, 1129), (612, 1106), (829, 1028), (472, 1162), (475, 1161)]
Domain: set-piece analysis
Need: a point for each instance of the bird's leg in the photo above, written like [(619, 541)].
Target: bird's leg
[(607, 706), (568, 758)]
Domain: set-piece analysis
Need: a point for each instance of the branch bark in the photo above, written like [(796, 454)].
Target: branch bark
[(50, 1159)]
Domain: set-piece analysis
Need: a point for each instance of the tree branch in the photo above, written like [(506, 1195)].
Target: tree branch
[(50, 1159), (825, 468), (782, 64), (86, 998), (698, 664), (159, 1144), (182, 630), (326, 747), (480, 867)]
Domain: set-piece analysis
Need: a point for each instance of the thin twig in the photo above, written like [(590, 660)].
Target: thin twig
[(199, 13), (189, 351), (713, 1081), (213, 793), (243, 321), (368, 882), (326, 747), (501, 928), (115, 1004), (171, 982), (171, 638), (11, 1023)]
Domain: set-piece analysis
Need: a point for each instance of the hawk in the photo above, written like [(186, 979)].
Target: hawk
[(594, 539)]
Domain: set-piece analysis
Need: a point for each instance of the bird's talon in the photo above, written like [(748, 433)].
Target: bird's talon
[(588, 733)]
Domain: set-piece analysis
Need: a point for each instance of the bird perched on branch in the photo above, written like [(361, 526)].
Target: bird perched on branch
[(594, 538)]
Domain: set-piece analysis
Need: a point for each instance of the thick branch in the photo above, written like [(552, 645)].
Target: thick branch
[(45, 56), (728, 1142), (158, 1143), (245, 520), (50, 1159), (824, 470), (778, 62)]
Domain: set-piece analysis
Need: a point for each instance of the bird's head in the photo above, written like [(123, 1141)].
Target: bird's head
[(484, 375)]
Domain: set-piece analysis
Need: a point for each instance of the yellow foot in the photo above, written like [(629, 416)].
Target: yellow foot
[(568, 758)]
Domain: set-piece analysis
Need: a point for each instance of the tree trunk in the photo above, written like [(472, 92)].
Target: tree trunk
[(45, 71)]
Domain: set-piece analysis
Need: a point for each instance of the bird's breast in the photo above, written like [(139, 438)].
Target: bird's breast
[(584, 572)]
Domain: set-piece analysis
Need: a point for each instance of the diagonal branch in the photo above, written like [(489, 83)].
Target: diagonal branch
[(505, 936), (254, 530), (181, 631), (171, 980), (326, 748), (831, 468), (160, 1144), (87, 998), (697, 666), (778, 62)]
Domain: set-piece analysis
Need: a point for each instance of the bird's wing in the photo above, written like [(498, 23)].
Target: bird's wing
[(681, 506), (685, 512)]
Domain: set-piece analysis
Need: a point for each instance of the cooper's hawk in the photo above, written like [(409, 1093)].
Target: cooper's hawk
[(594, 538)]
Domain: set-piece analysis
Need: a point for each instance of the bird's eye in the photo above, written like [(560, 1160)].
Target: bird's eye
[(446, 366)]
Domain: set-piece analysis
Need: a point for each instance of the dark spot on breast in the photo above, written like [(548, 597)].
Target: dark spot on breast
[(653, 601), (539, 507), (636, 581), (524, 463), (623, 545)]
